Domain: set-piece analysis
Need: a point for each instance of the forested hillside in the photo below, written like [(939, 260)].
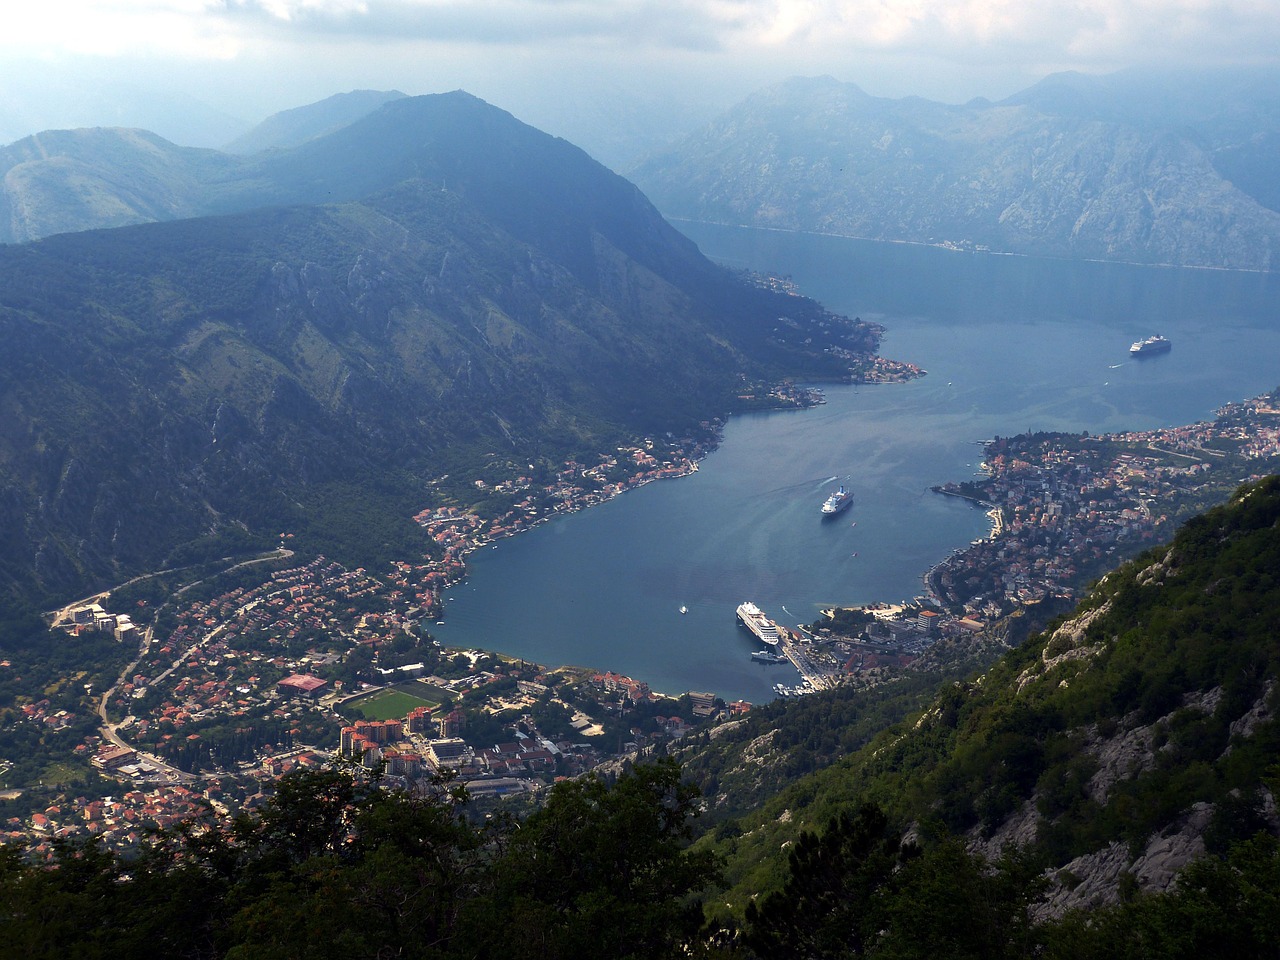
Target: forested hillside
[(66, 180), (475, 289)]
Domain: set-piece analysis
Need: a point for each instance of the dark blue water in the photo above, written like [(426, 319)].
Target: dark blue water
[(1010, 344)]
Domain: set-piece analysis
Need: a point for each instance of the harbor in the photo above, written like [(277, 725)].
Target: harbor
[(785, 646)]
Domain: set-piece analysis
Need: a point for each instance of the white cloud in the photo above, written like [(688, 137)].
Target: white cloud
[(1086, 32), (180, 28), (1064, 31)]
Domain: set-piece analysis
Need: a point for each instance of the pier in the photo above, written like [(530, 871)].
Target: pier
[(793, 651)]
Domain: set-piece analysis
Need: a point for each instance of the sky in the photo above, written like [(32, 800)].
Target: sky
[(208, 69)]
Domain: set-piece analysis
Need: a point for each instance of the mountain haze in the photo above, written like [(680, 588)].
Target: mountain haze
[(66, 180), (382, 310), (1059, 171), (1231, 114)]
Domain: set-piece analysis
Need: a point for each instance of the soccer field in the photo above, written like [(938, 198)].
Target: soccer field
[(389, 704)]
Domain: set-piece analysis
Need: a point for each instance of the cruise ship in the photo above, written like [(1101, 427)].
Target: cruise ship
[(753, 618), (1150, 346), (839, 501)]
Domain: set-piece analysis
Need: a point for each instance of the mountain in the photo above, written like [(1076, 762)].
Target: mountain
[(1233, 114), (290, 128), (619, 124), (1062, 170), (429, 293), (64, 180), (1110, 751)]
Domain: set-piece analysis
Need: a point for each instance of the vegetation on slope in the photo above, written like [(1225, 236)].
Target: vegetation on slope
[(903, 850)]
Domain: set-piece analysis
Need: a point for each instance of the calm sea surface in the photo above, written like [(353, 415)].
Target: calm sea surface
[(1009, 343)]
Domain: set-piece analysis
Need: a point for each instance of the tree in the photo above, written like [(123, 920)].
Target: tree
[(601, 870), (830, 905)]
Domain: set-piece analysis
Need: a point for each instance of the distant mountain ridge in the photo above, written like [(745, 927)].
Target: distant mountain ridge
[(1064, 169), (67, 180), (291, 128)]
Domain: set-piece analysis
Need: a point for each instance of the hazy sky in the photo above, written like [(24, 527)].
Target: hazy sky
[(60, 60)]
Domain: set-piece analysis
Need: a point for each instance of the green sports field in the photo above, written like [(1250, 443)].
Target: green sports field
[(390, 704)]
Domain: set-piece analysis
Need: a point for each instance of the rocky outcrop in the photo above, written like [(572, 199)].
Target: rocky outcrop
[(1096, 878)]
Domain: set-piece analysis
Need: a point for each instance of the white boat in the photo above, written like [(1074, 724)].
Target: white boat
[(683, 608), (838, 502)]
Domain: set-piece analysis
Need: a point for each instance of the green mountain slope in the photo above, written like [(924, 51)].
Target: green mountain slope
[(64, 180), (1106, 790), (310, 368), (1026, 177), (1111, 750)]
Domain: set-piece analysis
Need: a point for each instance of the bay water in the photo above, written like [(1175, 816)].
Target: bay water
[(1010, 344)]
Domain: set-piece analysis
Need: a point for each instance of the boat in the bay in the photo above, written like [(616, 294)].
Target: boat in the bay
[(683, 608), (768, 656), (1150, 346), (752, 618), (838, 502)]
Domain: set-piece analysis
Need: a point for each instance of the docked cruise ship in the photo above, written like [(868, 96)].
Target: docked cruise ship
[(753, 618), (839, 501)]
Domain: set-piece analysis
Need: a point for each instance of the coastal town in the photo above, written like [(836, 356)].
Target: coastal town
[(228, 689), (229, 683), (1064, 508)]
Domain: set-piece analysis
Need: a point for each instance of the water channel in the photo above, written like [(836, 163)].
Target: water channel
[(1009, 343)]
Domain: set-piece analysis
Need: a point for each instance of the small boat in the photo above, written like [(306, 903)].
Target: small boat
[(683, 608)]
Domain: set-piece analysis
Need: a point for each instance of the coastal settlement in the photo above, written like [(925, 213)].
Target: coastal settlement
[(229, 686)]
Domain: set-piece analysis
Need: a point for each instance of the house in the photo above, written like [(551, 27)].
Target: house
[(302, 685)]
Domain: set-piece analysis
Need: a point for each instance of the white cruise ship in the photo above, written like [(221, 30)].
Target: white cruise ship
[(753, 618)]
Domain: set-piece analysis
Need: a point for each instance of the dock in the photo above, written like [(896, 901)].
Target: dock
[(785, 646), (793, 651)]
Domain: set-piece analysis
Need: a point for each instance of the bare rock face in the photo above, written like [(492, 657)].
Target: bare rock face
[(1095, 879), (1067, 644), (1130, 750), (1114, 752)]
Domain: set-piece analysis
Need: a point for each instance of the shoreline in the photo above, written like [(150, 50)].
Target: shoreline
[(690, 459), (683, 460), (994, 514)]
